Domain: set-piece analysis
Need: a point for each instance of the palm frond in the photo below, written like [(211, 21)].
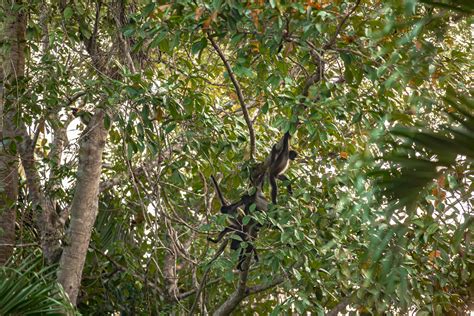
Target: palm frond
[(31, 289)]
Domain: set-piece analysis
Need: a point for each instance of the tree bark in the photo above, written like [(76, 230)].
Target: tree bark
[(171, 278), (84, 206), (13, 65)]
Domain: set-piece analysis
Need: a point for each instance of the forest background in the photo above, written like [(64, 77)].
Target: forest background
[(115, 113)]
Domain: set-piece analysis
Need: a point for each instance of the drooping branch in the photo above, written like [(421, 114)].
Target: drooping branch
[(240, 96)]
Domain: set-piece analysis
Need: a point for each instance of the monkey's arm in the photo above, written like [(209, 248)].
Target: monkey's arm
[(232, 209), (221, 234)]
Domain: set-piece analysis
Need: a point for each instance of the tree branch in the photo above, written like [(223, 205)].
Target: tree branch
[(263, 287), (186, 294), (71, 100), (339, 27), (240, 96)]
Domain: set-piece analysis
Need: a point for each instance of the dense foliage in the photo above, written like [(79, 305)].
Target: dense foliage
[(376, 95)]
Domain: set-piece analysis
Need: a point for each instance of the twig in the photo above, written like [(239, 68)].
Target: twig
[(240, 96), (31, 244)]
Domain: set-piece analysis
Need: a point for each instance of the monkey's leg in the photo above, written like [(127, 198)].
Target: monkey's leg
[(241, 259), (274, 188), (244, 253)]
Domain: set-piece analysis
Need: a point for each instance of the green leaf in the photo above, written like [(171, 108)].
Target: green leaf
[(198, 46), (148, 9), (158, 38), (67, 14), (242, 71)]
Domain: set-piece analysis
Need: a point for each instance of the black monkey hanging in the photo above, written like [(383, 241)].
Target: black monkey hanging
[(279, 162)]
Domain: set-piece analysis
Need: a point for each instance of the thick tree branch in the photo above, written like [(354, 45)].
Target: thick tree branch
[(12, 68), (240, 96)]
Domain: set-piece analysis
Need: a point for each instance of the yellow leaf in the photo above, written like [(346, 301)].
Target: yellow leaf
[(434, 254), (164, 7), (159, 114), (441, 181)]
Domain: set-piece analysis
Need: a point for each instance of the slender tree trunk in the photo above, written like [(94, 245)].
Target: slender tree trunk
[(45, 214), (13, 69), (8, 195), (84, 206)]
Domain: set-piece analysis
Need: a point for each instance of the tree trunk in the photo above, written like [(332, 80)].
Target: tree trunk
[(84, 206), (13, 69), (46, 218), (8, 195)]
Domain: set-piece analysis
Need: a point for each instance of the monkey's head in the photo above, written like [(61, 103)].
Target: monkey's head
[(292, 154)]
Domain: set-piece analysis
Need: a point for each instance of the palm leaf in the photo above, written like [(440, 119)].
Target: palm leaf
[(31, 290), (417, 161)]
